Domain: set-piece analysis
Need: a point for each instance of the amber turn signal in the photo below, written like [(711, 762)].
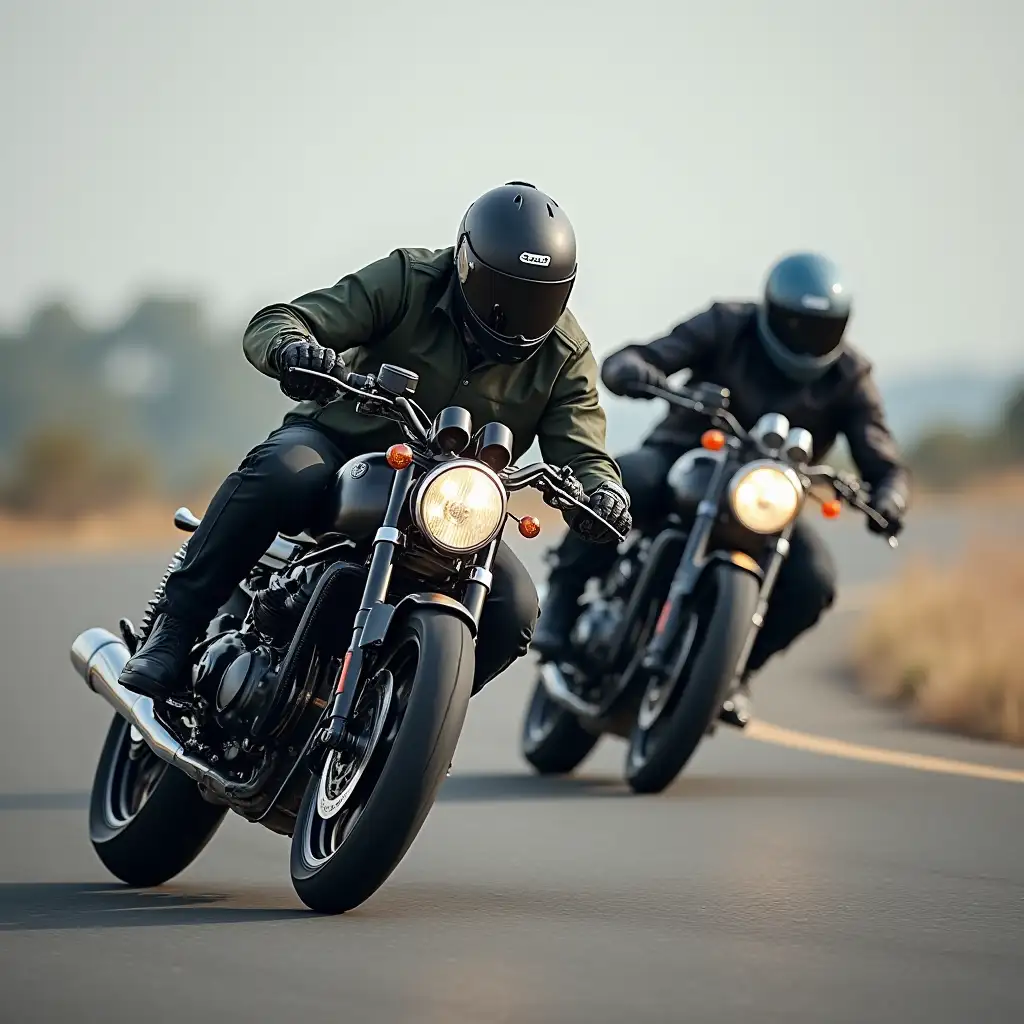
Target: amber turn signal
[(529, 526), (830, 509), (713, 440), (399, 456)]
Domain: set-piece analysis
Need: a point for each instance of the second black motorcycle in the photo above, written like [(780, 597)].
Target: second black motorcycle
[(667, 634)]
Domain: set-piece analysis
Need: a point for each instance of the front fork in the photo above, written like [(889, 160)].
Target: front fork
[(385, 544), (374, 613), (656, 659)]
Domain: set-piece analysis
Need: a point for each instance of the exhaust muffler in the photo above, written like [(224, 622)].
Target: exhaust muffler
[(99, 658)]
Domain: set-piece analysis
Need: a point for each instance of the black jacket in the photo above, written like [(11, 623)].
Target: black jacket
[(720, 345)]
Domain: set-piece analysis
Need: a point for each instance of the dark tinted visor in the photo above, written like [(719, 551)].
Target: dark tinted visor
[(806, 334), (513, 307)]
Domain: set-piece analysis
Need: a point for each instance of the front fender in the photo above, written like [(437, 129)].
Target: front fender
[(384, 617), (738, 558)]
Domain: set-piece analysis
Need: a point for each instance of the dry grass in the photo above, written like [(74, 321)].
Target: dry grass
[(946, 642)]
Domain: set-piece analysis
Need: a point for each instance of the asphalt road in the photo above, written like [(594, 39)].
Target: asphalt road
[(768, 884)]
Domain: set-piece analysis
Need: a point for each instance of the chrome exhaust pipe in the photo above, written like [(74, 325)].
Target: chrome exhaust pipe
[(99, 658), (553, 680)]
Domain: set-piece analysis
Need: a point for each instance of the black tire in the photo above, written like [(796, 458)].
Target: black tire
[(552, 739), (147, 821), (655, 757), (395, 792)]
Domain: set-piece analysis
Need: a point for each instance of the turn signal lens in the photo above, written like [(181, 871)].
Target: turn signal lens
[(399, 456), (831, 509), (529, 526), (713, 440)]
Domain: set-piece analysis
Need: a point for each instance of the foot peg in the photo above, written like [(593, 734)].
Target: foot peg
[(736, 710), (128, 634)]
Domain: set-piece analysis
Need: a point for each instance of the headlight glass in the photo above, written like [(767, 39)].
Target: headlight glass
[(460, 509), (765, 498)]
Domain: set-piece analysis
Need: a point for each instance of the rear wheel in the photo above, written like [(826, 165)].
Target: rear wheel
[(361, 813), (147, 821), (552, 739), (674, 716)]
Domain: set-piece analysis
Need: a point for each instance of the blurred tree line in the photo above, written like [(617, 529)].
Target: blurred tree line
[(91, 418), (947, 457), (164, 405)]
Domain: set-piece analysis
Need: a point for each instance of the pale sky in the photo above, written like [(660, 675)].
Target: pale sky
[(250, 150)]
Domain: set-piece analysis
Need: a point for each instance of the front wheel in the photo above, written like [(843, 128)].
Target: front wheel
[(147, 821), (674, 717), (552, 740), (361, 813)]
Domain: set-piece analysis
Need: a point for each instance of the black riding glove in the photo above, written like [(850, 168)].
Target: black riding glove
[(626, 370), (892, 506), (303, 353), (611, 503)]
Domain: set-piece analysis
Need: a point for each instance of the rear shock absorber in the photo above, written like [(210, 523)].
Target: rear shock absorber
[(134, 638)]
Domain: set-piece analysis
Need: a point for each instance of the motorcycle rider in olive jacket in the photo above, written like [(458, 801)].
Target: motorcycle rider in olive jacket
[(485, 325)]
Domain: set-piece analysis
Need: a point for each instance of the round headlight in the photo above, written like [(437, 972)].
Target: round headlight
[(765, 496), (460, 507)]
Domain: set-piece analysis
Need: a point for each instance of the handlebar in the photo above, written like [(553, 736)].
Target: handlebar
[(417, 427), (685, 398), (845, 485)]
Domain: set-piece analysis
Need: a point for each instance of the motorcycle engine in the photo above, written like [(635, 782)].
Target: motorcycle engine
[(237, 676), (595, 629)]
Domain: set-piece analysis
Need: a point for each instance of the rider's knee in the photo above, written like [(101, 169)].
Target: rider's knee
[(300, 470)]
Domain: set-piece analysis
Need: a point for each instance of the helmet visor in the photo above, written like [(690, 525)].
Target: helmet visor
[(513, 307), (806, 334)]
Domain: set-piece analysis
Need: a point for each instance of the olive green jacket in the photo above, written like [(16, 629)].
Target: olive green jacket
[(400, 310)]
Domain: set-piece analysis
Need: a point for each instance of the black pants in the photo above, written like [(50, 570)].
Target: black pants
[(805, 586), (283, 486)]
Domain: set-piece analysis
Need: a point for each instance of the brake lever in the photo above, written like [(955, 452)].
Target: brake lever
[(339, 385), (587, 510)]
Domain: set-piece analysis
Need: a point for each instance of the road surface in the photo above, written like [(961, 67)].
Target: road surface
[(776, 881)]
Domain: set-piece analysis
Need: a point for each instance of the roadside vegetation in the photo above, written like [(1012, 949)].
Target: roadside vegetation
[(945, 643)]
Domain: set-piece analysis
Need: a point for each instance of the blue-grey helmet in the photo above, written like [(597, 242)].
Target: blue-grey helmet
[(804, 314)]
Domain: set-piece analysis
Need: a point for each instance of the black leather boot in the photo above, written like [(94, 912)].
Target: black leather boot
[(160, 668), (558, 614)]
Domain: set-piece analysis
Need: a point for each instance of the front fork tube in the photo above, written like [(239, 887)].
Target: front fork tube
[(771, 573), (479, 579), (385, 544), (690, 565)]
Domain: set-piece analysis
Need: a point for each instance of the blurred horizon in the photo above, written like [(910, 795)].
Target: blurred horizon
[(169, 171), (243, 153)]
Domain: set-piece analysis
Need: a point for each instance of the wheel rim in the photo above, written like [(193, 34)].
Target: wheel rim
[(659, 692), (349, 777), (656, 707), (344, 769), (134, 773)]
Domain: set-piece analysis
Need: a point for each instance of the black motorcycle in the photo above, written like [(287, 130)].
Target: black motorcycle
[(329, 693), (659, 646)]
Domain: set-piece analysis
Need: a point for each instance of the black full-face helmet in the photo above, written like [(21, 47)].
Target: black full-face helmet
[(515, 260), (803, 317)]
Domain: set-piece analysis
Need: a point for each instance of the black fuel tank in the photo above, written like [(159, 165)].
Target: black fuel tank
[(690, 477), (361, 492)]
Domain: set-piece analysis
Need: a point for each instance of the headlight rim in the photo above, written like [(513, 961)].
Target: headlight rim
[(428, 478), (784, 470)]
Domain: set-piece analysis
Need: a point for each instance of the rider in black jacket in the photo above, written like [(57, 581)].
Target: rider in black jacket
[(787, 354)]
